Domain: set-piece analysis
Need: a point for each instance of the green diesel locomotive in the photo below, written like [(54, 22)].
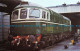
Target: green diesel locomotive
[(37, 27)]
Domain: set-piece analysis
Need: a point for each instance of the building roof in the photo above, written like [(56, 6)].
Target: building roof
[(65, 5)]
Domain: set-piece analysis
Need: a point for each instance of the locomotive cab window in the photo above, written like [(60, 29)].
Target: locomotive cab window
[(44, 14), (47, 15), (34, 13), (15, 15), (23, 14)]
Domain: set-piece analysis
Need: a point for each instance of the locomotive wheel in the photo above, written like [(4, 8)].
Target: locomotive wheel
[(35, 49), (41, 45), (50, 43)]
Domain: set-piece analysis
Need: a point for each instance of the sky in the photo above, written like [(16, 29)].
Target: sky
[(47, 3)]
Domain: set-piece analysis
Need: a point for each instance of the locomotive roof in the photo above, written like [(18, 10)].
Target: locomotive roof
[(24, 4), (66, 18)]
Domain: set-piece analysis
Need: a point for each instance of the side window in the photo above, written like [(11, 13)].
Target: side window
[(34, 13), (44, 14), (15, 15), (23, 14), (47, 15)]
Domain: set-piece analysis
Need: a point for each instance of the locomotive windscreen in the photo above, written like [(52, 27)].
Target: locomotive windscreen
[(34, 13), (15, 14), (23, 13)]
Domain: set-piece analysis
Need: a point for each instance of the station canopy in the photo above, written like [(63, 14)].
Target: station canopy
[(8, 5)]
